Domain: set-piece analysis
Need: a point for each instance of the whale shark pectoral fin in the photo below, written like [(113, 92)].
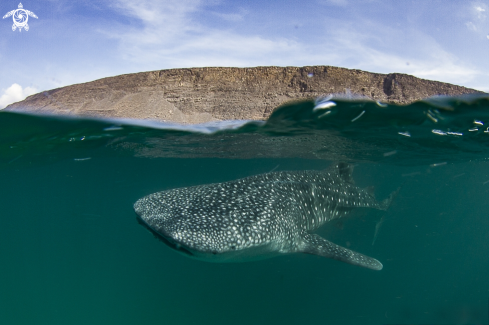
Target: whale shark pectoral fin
[(317, 245)]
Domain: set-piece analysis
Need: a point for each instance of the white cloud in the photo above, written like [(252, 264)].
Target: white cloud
[(478, 11), (233, 17), (373, 50), (335, 2), (170, 16), (476, 16), (470, 25), (14, 94), (171, 37)]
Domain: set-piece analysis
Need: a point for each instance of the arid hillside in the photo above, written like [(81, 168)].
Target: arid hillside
[(203, 94)]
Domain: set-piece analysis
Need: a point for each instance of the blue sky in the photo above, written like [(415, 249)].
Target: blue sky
[(79, 41)]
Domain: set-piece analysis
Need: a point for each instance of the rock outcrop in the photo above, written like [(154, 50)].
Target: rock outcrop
[(204, 94)]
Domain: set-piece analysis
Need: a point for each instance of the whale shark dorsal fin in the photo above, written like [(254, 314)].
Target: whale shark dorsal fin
[(343, 170), (316, 245)]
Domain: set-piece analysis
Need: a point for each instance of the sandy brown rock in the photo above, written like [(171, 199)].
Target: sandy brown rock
[(204, 94)]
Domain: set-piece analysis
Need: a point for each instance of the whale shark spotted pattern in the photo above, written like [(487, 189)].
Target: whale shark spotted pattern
[(258, 216)]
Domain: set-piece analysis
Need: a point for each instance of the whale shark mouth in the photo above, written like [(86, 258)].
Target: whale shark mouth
[(164, 239)]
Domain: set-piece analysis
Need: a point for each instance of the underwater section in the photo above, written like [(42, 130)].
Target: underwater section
[(73, 252)]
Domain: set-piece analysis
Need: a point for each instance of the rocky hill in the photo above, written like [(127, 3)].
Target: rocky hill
[(203, 94)]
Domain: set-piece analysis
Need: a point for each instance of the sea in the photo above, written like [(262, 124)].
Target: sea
[(72, 251)]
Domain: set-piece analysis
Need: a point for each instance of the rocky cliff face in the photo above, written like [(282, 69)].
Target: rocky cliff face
[(204, 94)]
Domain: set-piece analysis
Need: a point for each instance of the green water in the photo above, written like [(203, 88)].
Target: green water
[(72, 252)]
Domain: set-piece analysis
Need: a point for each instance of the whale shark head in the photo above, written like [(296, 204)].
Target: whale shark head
[(215, 222), (168, 240), (153, 216), (196, 231)]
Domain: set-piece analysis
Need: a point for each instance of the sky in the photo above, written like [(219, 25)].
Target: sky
[(79, 41)]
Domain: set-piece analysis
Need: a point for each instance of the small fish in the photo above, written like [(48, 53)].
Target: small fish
[(259, 216), (377, 228)]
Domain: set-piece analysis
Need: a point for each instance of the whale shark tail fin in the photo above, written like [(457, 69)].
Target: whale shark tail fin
[(385, 204), (317, 245)]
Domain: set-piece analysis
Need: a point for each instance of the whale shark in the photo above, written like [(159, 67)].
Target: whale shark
[(259, 216)]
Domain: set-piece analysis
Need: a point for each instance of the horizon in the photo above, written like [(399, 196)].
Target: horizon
[(82, 41)]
